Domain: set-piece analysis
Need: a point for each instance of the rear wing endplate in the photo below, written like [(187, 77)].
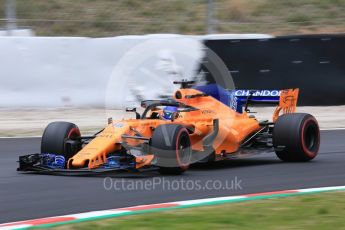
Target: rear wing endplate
[(287, 102)]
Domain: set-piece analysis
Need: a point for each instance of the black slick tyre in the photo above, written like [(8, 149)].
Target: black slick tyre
[(171, 147), (54, 139), (296, 137)]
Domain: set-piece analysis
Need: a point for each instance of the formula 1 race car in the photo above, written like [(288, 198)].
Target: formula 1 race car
[(199, 124)]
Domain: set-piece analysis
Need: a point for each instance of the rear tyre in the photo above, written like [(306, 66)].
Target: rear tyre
[(171, 146), (296, 137), (54, 139)]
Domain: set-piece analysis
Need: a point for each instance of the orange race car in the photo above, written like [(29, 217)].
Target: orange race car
[(195, 125)]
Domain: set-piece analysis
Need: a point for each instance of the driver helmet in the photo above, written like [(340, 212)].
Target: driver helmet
[(168, 112)]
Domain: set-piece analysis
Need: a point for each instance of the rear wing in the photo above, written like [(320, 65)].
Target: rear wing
[(257, 96), (239, 100), (286, 99)]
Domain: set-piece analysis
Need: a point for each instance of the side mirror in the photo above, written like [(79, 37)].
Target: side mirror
[(133, 110)]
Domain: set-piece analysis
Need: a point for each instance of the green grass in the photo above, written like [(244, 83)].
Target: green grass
[(317, 211), (123, 17)]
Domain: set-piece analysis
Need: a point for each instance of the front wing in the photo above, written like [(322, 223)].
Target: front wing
[(33, 163)]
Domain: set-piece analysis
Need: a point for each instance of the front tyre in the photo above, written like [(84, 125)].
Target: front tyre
[(296, 137), (54, 139), (171, 147)]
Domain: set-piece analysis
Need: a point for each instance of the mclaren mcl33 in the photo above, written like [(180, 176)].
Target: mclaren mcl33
[(200, 124)]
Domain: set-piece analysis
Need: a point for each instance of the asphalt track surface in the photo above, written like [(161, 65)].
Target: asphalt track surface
[(27, 196)]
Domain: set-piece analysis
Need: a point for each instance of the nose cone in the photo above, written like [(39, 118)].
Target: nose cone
[(95, 153)]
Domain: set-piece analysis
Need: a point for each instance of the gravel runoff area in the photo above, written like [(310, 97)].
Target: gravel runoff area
[(31, 122)]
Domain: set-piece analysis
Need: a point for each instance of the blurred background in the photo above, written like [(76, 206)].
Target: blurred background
[(76, 57), (132, 17)]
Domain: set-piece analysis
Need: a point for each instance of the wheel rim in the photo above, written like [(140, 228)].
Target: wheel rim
[(310, 137), (74, 132), (183, 151)]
